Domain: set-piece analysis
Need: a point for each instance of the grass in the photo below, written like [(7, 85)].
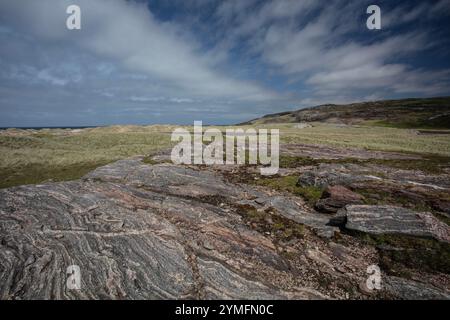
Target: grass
[(429, 163), (367, 137), (361, 136), (442, 122), (29, 157), (35, 156), (428, 113)]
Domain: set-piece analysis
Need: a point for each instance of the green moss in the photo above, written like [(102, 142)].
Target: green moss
[(149, 160), (398, 253), (294, 162), (281, 228), (289, 184), (38, 173), (443, 218)]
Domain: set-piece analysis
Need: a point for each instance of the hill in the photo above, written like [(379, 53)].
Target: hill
[(429, 113)]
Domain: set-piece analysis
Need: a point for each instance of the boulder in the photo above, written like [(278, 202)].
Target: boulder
[(395, 220), (333, 174), (336, 197), (302, 125)]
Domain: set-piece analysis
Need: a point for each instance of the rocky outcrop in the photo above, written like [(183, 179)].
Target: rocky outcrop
[(333, 174), (209, 186), (143, 232), (395, 220), (164, 231), (381, 184), (432, 113), (355, 174), (336, 197), (302, 125)]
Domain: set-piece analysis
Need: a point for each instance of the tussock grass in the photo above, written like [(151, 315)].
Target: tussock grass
[(59, 155), (28, 156), (359, 136), (368, 137)]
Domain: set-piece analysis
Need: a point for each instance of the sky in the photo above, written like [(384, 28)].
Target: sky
[(221, 62)]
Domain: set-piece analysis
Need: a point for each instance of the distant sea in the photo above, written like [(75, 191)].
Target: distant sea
[(40, 128)]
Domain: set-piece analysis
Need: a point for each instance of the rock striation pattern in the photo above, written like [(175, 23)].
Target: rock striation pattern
[(140, 231), (395, 220), (137, 232)]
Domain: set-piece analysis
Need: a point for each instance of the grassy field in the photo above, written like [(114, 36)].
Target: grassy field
[(369, 137), (62, 155), (35, 156), (364, 137)]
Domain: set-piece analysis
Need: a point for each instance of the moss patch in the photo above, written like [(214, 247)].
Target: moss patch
[(398, 253), (267, 221), (289, 184), (149, 160)]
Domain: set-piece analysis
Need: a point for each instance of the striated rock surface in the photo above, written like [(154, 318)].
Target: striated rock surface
[(209, 186), (395, 220), (140, 231)]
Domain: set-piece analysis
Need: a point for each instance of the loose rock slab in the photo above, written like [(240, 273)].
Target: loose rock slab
[(395, 220), (336, 197)]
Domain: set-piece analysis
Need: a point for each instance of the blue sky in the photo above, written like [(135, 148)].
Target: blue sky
[(222, 62)]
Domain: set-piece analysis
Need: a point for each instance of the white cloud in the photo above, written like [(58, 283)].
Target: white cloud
[(316, 49), (129, 65), (127, 32)]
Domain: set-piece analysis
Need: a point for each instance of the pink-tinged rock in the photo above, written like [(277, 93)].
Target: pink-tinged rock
[(336, 197)]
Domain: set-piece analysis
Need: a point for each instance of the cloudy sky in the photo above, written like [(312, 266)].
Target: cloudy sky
[(176, 61)]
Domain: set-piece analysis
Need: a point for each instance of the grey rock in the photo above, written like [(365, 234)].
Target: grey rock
[(134, 230), (164, 231), (395, 220), (325, 175), (208, 185), (413, 290)]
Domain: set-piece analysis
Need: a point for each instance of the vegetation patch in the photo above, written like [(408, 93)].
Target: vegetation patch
[(428, 163), (289, 184), (30, 157), (295, 162), (424, 122), (398, 253), (38, 173), (149, 160), (267, 221)]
